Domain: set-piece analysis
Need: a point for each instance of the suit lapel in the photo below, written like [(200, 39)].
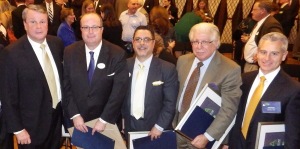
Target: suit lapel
[(102, 59), (152, 75), (210, 73)]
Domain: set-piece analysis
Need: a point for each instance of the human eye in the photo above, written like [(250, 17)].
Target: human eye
[(262, 52), (147, 39), (85, 28), (138, 39), (32, 22), (274, 53)]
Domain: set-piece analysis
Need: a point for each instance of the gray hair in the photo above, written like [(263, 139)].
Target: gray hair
[(273, 37), (36, 8), (207, 28)]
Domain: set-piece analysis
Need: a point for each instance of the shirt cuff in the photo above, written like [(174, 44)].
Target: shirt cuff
[(102, 121), (74, 116), (209, 138), (158, 127), (18, 131)]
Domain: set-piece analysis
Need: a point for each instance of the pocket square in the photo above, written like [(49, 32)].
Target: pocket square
[(157, 83), (111, 74)]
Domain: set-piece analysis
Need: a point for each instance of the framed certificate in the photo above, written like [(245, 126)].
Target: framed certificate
[(270, 135)]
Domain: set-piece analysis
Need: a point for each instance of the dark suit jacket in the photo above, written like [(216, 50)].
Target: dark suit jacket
[(224, 73), (173, 10), (160, 101), (269, 25), (286, 18), (53, 27), (104, 97), (17, 21), (27, 102), (283, 89)]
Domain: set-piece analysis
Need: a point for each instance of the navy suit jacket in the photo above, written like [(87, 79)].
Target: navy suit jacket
[(104, 97), (26, 98), (283, 89), (160, 101)]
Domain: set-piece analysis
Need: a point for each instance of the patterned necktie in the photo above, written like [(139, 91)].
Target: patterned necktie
[(190, 89), (50, 12), (91, 68), (252, 105), (138, 98), (49, 73)]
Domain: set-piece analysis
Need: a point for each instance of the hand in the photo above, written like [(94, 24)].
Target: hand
[(200, 141), (225, 147), (245, 38), (154, 133), (171, 43), (23, 137), (99, 127), (79, 124)]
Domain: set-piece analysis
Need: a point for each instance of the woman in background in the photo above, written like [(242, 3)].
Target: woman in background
[(112, 26), (203, 10), (65, 31)]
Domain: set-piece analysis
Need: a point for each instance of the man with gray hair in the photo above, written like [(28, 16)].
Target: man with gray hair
[(269, 95), (211, 67)]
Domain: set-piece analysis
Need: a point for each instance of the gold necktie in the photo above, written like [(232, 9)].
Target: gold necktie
[(49, 73), (252, 105), (138, 98)]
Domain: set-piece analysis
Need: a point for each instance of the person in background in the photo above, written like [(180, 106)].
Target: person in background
[(112, 26), (5, 14), (54, 16), (203, 10), (278, 100), (172, 10), (143, 10), (87, 7), (151, 99), (131, 19), (31, 91), (65, 31), (95, 76), (213, 68), (4, 40), (265, 23), (17, 20), (286, 15)]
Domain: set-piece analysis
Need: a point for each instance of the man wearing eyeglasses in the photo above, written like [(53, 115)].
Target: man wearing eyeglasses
[(95, 76), (150, 102), (214, 68)]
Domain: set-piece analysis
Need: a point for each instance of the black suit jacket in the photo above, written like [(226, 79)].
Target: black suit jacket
[(283, 89), (104, 97), (160, 101), (173, 10), (27, 101), (286, 17), (269, 25), (53, 26), (17, 21)]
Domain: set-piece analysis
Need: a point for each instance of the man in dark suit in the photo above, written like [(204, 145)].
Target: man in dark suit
[(6, 139), (154, 109), (280, 92), (286, 15), (99, 92), (265, 24), (54, 16), (31, 88), (17, 21), (217, 69)]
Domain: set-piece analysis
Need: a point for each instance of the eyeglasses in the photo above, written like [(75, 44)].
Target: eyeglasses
[(93, 28), (203, 43), (146, 40)]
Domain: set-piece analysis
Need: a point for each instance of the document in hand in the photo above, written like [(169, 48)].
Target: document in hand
[(111, 131), (89, 141), (142, 141), (200, 115)]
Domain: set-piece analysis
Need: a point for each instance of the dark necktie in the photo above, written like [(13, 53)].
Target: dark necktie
[(91, 67), (190, 89)]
